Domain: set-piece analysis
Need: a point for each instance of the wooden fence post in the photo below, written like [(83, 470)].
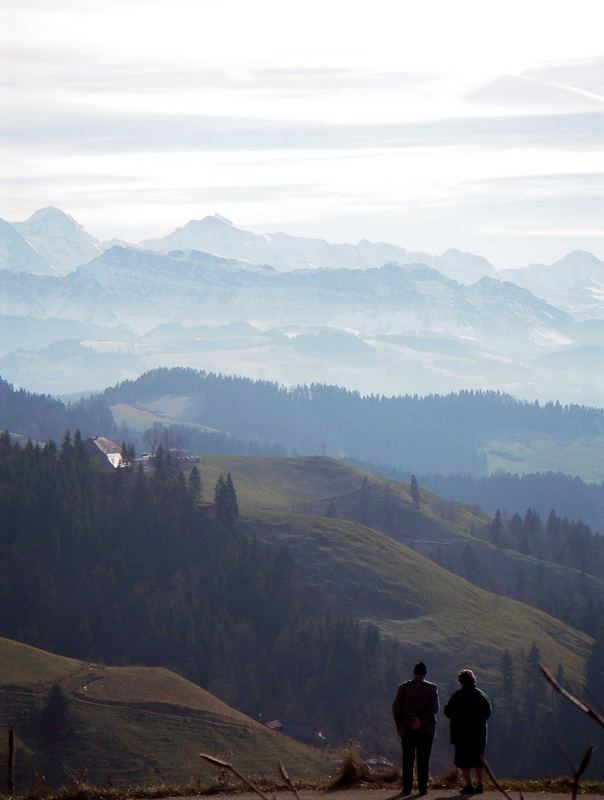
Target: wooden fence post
[(11, 763)]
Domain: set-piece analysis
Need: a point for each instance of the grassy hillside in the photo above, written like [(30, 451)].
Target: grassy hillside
[(434, 613), (524, 453), (446, 532), (282, 483), (135, 724), (363, 572), (308, 483)]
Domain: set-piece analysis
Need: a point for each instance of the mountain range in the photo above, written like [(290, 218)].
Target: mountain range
[(371, 316), (62, 245)]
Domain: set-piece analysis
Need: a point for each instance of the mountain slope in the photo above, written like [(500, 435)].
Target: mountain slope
[(575, 283), (59, 238), (17, 255), (139, 725)]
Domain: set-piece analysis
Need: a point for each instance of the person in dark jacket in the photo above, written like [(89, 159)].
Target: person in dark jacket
[(469, 709), (414, 710)]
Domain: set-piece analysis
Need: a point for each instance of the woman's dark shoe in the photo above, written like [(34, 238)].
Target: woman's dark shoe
[(479, 789), (467, 790)]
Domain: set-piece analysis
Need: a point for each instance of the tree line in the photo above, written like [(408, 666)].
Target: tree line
[(435, 433), (41, 417)]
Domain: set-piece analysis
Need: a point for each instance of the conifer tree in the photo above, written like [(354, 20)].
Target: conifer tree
[(56, 717), (415, 495), (225, 499), (195, 484)]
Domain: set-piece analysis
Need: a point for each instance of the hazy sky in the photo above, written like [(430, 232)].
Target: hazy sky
[(477, 125)]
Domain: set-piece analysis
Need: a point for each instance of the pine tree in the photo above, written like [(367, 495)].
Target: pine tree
[(56, 716), (231, 498), (195, 484), (415, 495), (127, 454), (496, 529), (225, 500)]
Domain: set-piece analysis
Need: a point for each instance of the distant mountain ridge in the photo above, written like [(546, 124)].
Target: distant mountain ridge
[(216, 234), (50, 241)]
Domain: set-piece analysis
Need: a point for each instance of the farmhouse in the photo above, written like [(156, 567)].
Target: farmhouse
[(103, 452)]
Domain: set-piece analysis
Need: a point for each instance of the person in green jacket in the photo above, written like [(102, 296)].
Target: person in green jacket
[(468, 710)]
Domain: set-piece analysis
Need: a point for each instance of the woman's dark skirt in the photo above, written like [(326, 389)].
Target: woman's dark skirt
[(468, 755)]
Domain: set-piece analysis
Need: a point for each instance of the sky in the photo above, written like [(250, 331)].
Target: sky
[(431, 125)]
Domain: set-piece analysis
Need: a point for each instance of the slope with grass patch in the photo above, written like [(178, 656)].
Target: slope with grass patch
[(450, 534), (358, 571), (136, 725)]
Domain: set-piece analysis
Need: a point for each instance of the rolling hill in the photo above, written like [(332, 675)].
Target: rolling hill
[(431, 611), (449, 534), (137, 725)]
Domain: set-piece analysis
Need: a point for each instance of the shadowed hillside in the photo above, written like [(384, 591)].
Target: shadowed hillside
[(136, 725)]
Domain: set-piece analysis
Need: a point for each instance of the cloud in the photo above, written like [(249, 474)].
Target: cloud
[(558, 185), (545, 231), (56, 181), (44, 68), (549, 204), (108, 195), (110, 131), (574, 83)]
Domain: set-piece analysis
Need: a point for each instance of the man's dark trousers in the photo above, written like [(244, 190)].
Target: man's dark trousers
[(416, 743)]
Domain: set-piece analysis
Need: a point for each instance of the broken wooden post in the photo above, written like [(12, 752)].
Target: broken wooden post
[(11, 764)]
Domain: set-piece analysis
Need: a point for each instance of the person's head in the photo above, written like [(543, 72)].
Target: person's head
[(467, 678), (420, 669)]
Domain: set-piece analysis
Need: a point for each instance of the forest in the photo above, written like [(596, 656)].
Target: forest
[(41, 417), (430, 434)]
